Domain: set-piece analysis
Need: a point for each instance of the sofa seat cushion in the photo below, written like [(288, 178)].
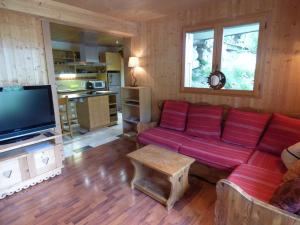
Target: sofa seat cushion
[(244, 128), (267, 161), (216, 154), (204, 121), (167, 138), (256, 181), (174, 115), (282, 132)]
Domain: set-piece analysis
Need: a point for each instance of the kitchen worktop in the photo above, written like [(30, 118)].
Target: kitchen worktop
[(84, 94)]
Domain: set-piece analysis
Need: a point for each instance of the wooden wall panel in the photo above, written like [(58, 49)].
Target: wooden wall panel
[(159, 46), (22, 56)]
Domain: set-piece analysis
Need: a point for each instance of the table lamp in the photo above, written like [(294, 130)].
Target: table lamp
[(133, 62)]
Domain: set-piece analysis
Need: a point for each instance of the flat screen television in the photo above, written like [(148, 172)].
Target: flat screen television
[(25, 111)]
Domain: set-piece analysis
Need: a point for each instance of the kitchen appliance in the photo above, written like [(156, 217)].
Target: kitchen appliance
[(89, 50), (114, 84), (95, 84), (25, 112)]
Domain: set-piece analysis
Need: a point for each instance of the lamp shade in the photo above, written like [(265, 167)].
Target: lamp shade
[(133, 62)]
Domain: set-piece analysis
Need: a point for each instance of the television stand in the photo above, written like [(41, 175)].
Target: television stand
[(18, 139), (24, 163)]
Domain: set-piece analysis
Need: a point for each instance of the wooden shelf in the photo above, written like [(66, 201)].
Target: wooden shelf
[(128, 100), (130, 134), (155, 189), (32, 141), (131, 121), (136, 102), (132, 105)]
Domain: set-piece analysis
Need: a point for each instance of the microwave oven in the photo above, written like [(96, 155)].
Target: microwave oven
[(95, 84)]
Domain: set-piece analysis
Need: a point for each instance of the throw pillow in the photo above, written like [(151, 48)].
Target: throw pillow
[(290, 155), (282, 132), (293, 173), (174, 115), (204, 121), (287, 196), (244, 128)]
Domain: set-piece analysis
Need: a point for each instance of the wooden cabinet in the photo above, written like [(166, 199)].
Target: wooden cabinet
[(29, 162), (44, 160), (136, 105), (112, 60), (10, 173), (94, 112)]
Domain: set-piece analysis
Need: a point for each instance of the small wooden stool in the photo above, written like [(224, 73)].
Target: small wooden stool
[(64, 112)]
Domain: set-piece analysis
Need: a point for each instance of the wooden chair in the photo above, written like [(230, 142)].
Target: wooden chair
[(64, 112)]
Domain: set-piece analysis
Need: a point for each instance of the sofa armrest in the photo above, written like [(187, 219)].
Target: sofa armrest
[(235, 207), (141, 127)]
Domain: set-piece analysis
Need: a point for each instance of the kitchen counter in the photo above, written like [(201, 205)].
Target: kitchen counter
[(84, 94)]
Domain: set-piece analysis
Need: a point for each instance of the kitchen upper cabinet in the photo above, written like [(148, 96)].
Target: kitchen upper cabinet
[(112, 60)]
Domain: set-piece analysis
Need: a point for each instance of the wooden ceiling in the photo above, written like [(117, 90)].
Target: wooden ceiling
[(135, 10), (72, 34)]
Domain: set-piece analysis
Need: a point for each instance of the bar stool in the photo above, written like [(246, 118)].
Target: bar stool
[(65, 116)]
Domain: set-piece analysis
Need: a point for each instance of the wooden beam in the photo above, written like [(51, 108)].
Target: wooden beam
[(73, 16)]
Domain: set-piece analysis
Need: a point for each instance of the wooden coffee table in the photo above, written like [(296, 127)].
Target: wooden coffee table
[(172, 167)]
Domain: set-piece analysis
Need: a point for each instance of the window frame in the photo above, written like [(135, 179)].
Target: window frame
[(218, 27)]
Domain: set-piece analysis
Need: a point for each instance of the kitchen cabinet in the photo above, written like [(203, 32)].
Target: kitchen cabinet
[(93, 112), (112, 60)]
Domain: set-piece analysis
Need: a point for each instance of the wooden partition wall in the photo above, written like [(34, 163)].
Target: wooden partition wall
[(22, 55), (159, 44)]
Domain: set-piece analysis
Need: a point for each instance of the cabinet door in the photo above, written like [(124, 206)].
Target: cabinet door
[(10, 173), (41, 162), (113, 61), (99, 111)]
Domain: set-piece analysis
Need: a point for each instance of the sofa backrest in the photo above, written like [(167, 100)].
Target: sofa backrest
[(281, 133), (174, 114), (204, 121)]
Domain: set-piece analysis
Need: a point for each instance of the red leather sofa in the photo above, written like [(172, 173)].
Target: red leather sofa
[(247, 144)]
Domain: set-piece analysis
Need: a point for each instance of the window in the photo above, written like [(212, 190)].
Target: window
[(199, 58), (231, 48)]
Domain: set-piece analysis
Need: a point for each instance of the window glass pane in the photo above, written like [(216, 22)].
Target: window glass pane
[(239, 51), (198, 58)]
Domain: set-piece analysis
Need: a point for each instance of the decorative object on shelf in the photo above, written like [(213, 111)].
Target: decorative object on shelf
[(133, 62), (216, 80)]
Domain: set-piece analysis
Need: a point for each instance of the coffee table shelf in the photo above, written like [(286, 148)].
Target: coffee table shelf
[(157, 191)]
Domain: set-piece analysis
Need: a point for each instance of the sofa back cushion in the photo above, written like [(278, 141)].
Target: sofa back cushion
[(244, 128), (174, 115), (204, 121), (282, 132)]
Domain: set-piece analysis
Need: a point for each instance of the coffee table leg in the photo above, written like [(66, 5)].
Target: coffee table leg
[(179, 184), (139, 172)]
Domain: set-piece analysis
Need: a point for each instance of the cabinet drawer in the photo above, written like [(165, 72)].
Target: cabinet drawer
[(10, 173)]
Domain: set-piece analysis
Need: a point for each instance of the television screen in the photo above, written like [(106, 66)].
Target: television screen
[(25, 110)]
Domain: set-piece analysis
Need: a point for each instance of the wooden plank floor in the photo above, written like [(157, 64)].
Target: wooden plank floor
[(94, 189)]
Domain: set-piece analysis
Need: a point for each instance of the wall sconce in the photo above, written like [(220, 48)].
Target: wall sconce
[(133, 62)]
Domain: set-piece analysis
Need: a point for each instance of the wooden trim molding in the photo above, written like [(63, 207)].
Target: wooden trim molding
[(217, 25), (72, 16)]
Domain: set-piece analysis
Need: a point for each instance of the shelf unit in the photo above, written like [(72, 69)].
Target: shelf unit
[(136, 107), (29, 162), (66, 61), (113, 111)]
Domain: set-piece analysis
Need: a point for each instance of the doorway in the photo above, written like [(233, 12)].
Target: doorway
[(89, 75)]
